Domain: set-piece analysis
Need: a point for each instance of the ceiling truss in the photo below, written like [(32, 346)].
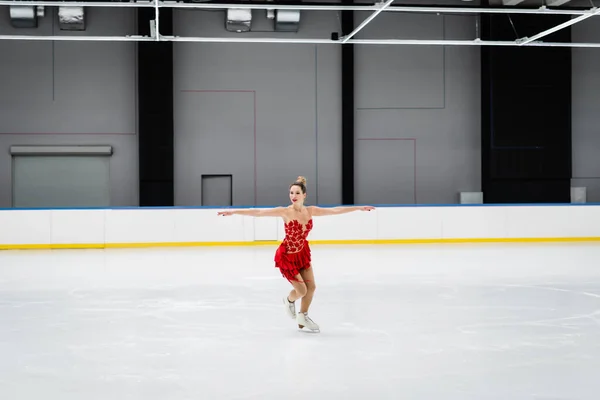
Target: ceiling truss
[(375, 9)]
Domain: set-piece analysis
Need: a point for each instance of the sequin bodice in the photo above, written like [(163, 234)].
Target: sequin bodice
[(296, 234)]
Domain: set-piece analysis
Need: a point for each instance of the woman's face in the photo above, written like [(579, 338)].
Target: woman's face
[(296, 195)]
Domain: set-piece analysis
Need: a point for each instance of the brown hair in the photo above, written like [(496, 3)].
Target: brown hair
[(300, 182)]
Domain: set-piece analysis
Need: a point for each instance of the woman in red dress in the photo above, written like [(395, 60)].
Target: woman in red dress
[(293, 257)]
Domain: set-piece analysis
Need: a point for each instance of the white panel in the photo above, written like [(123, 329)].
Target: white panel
[(78, 226), (280, 231), (25, 227), (546, 221), (585, 221), (197, 225), (474, 222), (248, 229), (409, 223), (357, 225), (266, 228), (140, 226), (549, 221)]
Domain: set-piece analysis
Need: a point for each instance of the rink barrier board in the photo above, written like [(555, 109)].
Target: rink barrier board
[(138, 227), (64, 246)]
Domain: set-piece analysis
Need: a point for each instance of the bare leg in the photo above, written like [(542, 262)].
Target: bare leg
[(299, 290), (309, 280)]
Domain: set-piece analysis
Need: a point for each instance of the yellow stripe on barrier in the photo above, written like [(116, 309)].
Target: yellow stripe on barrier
[(187, 244), (275, 243), (57, 246)]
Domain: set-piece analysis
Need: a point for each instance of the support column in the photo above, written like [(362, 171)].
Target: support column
[(347, 109), (155, 111)]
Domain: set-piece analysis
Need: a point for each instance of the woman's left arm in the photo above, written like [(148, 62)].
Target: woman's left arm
[(321, 212)]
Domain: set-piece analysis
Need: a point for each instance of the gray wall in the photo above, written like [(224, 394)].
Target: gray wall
[(290, 94), (418, 112), (71, 93), (586, 110), (287, 97), (266, 113)]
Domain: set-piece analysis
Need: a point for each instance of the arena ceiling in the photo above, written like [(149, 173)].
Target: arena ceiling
[(286, 16)]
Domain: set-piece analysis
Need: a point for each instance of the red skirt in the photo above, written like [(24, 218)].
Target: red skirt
[(290, 264)]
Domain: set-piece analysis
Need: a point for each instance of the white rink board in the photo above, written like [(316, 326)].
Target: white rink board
[(197, 226)]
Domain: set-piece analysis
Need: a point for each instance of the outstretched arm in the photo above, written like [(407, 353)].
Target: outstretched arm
[(320, 212), (256, 212)]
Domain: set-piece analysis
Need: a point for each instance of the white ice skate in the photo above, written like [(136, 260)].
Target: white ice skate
[(290, 307), (304, 321)]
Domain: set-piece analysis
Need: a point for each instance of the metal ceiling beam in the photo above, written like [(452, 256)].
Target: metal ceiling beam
[(526, 40), (156, 20), (382, 7), (406, 42), (76, 4), (156, 4), (302, 6), (68, 38), (233, 39), (395, 8)]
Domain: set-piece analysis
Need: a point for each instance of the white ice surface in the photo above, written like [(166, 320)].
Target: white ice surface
[(453, 322)]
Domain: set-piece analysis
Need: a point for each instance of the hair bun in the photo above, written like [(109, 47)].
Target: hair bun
[(302, 180)]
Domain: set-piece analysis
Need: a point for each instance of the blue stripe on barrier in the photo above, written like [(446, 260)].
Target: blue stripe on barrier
[(320, 205)]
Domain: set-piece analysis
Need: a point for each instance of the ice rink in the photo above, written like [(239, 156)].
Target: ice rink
[(415, 322)]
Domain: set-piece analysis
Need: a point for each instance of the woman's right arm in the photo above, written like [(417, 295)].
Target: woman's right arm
[(256, 212)]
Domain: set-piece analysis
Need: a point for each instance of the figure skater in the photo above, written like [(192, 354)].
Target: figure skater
[(293, 256)]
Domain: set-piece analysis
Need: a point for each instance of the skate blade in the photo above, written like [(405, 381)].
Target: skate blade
[(307, 330)]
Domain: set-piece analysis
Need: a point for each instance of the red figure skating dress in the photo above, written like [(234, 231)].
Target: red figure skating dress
[(293, 254)]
